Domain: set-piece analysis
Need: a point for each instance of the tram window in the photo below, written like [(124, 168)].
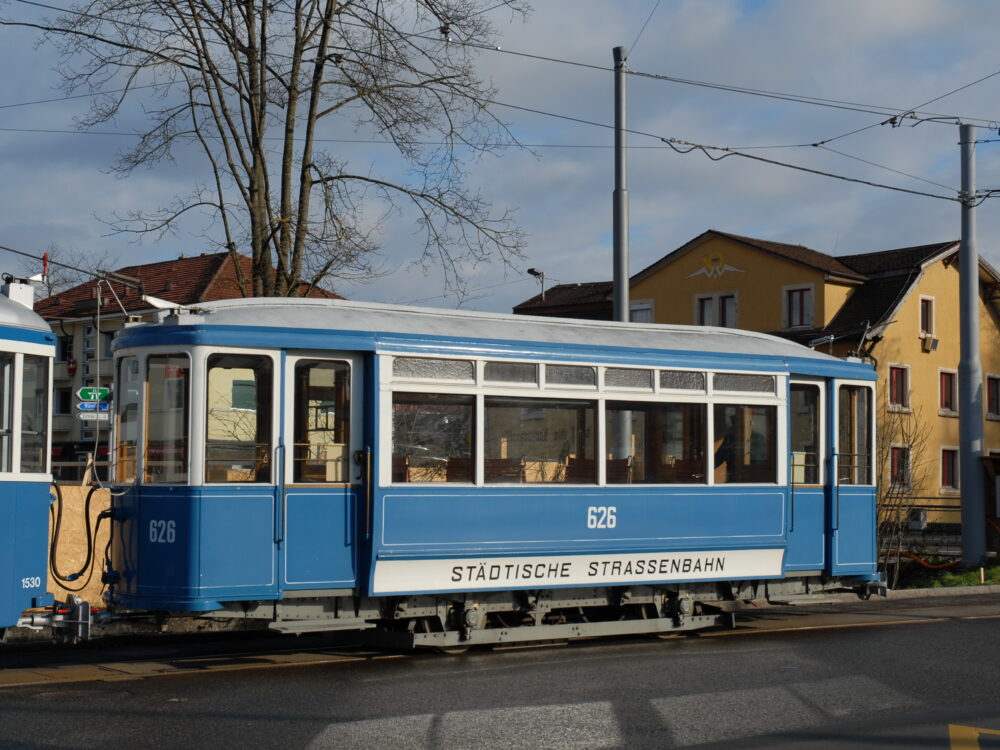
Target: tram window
[(682, 380), (6, 411), (804, 408), (656, 443), (731, 381), (624, 377), (746, 444), (168, 390), (322, 421), (539, 441), (238, 418), (34, 414), (511, 372), (437, 369), (127, 389), (854, 435), (570, 375), (432, 437)]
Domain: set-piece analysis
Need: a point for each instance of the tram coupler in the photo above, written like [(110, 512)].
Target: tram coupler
[(69, 621)]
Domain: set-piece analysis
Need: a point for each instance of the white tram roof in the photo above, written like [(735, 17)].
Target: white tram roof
[(420, 321), (15, 315)]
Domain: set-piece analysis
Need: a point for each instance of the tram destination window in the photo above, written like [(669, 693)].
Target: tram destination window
[(432, 437), (127, 393), (6, 411), (168, 391), (655, 443), (534, 440), (238, 420), (746, 444), (322, 421), (34, 414)]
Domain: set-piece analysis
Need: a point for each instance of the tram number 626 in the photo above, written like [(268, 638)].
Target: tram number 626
[(602, 517), (162, 532)]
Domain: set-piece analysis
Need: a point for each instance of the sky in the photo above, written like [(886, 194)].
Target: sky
[(56, 189)]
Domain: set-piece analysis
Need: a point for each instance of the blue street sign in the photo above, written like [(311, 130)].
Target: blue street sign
[(94, 406)]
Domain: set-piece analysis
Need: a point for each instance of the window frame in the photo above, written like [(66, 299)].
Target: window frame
[(926, 303), (891, 404), (953, 452), (992, 381), (716, 300), (389, 384), (906, 453), (808, 305), (944, 410)]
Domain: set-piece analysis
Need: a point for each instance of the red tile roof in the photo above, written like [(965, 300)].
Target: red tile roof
[(185, 281)]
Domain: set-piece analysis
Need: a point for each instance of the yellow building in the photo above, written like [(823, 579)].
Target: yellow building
[(897, 308)]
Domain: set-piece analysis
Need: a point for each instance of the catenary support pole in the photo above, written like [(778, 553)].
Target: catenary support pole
[(620, 200), (970, 371)]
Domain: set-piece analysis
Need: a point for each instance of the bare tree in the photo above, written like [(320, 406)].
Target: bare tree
[(262, 87), (904, 432)]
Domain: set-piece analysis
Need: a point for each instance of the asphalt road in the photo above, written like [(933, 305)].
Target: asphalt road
[(931, 680)]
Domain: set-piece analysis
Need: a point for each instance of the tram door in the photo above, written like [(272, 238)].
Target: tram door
[(321, 483), (852, 483), (807, 494)]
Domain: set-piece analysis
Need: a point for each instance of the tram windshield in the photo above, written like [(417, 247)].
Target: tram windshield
[(168, 391), (34, 414)]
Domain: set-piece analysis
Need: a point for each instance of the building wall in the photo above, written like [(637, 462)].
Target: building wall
[(903, 345), (720, 265)]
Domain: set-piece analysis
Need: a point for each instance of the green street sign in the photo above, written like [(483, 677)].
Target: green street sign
[(92, 394)]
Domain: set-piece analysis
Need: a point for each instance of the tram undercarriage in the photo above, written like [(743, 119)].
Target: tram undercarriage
[(458, 621)]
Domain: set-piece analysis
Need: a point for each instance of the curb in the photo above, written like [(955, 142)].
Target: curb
[(943, 591)]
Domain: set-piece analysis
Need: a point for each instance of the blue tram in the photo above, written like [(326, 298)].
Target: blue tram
[(447, 478), (27, 346)]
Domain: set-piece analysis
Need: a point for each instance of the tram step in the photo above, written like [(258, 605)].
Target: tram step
[(797, 599), (317, 626)]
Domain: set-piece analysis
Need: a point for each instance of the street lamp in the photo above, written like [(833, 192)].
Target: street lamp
[(540, 275)]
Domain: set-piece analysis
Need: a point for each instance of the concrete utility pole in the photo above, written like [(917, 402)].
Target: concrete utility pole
[(620, 199), (970, 371)]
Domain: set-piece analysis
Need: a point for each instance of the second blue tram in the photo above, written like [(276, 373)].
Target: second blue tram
[(447, 478)]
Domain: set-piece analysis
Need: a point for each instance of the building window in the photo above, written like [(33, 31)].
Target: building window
[(899, 387), (899, 468), (64, 349), (63, 401), (106, 341), (798, 307), (948, 381), (993, 396), (926, 316), (716, 310), (641, 312), (949, 468)]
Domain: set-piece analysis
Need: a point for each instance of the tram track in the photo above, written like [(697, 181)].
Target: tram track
[(33, 664)]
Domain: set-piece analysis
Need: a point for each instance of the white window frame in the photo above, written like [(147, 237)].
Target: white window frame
[(908, 406), (810, 312), (957, 489), (954, 395), (920, 314), (908, 484), (716, 298), (986, 395), (641, 305)]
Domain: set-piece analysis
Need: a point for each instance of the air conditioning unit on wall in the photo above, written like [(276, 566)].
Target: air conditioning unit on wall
[(916, 519), (929, 344)]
